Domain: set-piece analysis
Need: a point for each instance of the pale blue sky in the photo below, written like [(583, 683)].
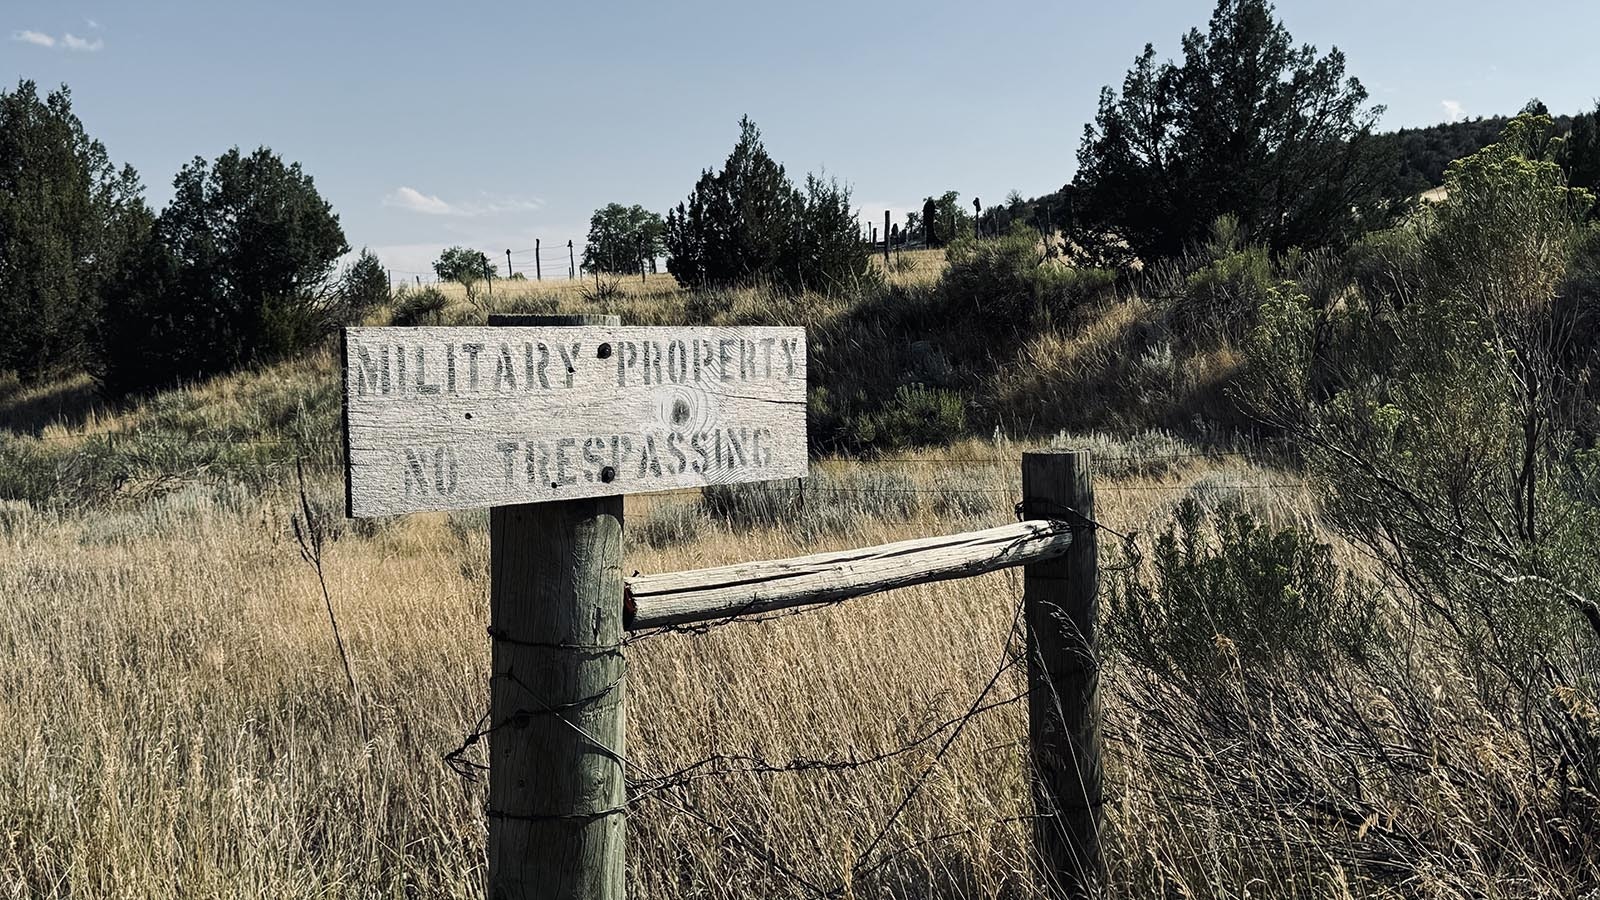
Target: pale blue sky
[(491, 124)]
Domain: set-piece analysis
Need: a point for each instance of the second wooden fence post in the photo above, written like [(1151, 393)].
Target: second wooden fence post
[(1060, 606), (557, 793)]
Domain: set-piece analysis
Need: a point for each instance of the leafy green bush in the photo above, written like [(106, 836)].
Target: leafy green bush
[(1223, 590), (1384, 265)]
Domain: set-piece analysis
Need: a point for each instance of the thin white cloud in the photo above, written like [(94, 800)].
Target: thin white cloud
[(73, 42), (92, 24), (416, 201), (409, 198), (68, 41), (33, 37), (1452, 108)]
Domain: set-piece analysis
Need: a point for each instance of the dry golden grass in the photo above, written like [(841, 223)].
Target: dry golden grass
[(176, 723)]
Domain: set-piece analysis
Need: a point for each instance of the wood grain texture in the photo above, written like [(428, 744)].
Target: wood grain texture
[(459, 417), (557, 788), (677, 598), (1061, 607)]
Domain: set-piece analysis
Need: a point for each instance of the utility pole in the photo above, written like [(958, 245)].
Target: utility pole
[(508, 264), (538, 273)]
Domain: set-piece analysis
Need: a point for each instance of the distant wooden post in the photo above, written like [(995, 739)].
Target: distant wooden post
[(886, 240), (557, 793), (572, 262), (538, 274), (1060, 604), (508, 264)]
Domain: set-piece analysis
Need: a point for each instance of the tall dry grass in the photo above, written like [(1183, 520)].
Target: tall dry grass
[(176, 723)]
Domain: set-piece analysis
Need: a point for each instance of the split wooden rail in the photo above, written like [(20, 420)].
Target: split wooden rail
[(570, 766), (559, 605)]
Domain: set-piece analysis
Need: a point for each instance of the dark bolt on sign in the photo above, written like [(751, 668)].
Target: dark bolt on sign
[(458, 417)]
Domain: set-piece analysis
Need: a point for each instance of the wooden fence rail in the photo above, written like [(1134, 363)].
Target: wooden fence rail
[(1057, 549), (700, 595), (436, 435)]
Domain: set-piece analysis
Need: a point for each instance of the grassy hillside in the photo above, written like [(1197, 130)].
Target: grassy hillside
[(177, 723)]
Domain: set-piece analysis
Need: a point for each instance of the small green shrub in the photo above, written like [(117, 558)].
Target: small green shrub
[(1384, 265), (1223, 590), (869, 493), (420, 306), (1013, 283), (917, 416), (960, 500), (1221, 298), (827, 503), (602, 290)]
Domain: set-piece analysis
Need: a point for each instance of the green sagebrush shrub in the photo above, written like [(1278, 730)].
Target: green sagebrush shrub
[(917, 415), (1013, 282), (1224, 589)]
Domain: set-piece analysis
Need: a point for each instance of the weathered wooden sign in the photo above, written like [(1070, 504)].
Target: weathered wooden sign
[(457, 417)]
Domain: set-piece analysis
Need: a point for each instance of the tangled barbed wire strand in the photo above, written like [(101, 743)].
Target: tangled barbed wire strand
[(670, 789)]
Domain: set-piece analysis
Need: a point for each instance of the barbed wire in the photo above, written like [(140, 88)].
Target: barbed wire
[(670, 789)]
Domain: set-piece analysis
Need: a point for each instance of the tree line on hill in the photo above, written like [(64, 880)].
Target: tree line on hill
[(239, 266), (1245, 125)]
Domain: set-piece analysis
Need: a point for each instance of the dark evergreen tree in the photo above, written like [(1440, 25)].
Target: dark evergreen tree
[(1248, 125), (363, 285), (236, 270), (749, 223), (1582, 161), (67, 217)]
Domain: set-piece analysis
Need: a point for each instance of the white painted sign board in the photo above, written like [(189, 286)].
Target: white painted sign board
[(458, 417)]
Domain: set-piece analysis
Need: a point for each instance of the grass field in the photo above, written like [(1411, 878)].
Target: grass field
[(176, 721)]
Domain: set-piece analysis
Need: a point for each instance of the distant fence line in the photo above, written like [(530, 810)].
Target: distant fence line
[(564, 260)]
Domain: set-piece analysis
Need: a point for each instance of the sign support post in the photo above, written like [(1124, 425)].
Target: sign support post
[(557, 692), (549, 421)]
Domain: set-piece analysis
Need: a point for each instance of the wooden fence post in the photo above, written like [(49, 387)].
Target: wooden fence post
[(1060, 605), (557, 794)]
